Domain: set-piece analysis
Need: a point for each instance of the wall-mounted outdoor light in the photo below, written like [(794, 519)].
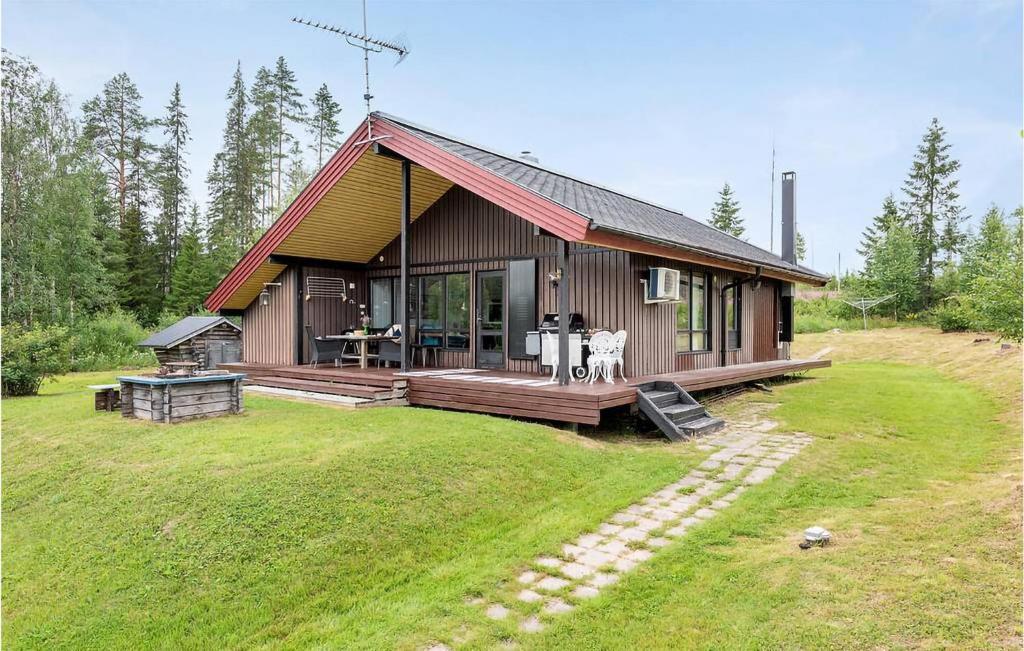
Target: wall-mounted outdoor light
[(265, 293)]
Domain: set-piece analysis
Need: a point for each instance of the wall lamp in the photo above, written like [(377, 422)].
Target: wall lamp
[(265, 293)]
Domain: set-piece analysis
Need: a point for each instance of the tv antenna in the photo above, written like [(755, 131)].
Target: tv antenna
[(771, 225), (367, 44)]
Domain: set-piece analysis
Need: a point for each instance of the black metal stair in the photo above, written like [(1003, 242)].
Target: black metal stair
[(674, 411)]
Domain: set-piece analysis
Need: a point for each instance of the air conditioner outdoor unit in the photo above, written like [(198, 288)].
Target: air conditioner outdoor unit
[(662, 285)]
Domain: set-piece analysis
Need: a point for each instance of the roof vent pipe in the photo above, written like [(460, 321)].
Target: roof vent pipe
[(528, 157), (789, 217)]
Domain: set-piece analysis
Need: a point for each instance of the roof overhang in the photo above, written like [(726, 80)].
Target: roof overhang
[(611, 239), (351, 209)]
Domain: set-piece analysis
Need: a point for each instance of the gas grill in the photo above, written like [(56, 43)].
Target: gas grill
[(536, 342)]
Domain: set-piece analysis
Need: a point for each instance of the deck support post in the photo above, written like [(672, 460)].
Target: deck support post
[(564, 376), (404, 293)]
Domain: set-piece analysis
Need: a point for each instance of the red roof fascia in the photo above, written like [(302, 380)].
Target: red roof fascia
[(335, 168), (538, 210)]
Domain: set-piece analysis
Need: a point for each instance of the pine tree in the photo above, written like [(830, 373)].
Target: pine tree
[(931, 201), (323, 124), (192, 278), (116, 127), (725, 213), (289, 109), (172, 174)]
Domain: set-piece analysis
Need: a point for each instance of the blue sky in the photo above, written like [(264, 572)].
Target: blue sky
[(662, 100)]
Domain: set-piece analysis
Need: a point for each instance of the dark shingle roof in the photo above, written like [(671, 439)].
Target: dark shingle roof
[(606, 209), (187, 328)]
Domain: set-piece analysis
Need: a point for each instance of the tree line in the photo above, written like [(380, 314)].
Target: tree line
[(96, 209), (918, 252)]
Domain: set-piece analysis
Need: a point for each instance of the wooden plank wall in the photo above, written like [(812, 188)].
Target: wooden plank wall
[(462, 232), (330, 316), (268, 331)]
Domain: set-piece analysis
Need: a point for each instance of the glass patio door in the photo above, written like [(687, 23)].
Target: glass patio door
[(490, 319)]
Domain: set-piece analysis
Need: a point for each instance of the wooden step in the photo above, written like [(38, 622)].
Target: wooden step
[(702, 426), (681, 412), (333, 388), (337, 375), (663, 398)]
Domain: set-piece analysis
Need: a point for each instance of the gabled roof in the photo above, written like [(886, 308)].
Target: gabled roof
[(606, 209), (183, 330), (350, 210)]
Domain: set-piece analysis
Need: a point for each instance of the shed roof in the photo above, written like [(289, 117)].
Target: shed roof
[(185, 329), (606, 209)]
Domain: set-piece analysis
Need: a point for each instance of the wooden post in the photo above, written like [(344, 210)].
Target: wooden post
[(406, 203), (563, 313)]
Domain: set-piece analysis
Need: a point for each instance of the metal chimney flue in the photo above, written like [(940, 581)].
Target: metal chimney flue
[(789, 217)]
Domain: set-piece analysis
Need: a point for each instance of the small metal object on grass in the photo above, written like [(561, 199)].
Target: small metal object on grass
[(813, 536)]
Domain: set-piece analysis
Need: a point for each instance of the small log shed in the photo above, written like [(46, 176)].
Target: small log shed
[(205, 340)]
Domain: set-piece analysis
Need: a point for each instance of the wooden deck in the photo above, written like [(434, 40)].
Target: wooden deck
[(500, 392)]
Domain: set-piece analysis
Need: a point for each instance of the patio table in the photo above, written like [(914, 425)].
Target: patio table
[(362, 343)]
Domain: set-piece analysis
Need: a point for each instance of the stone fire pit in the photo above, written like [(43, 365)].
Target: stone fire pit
[(175, 398)]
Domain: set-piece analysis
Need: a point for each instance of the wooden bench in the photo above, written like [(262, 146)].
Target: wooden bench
[(108, 396)]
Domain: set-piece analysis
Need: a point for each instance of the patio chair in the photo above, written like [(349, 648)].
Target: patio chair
[(551, 341), (390, 350), (619, 339), (322, 349), (602, 347)]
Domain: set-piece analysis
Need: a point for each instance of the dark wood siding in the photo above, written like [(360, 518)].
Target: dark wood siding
[(331, 316), (462, 232), (268, 331)]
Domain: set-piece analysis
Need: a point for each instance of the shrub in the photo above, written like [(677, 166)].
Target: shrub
[(954, 315), (109, 341), (31, 356)]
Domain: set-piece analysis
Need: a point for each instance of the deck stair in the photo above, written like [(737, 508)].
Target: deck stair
[(674, 411)]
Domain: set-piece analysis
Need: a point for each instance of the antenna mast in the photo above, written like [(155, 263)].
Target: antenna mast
[(771, 226), (367, 44)]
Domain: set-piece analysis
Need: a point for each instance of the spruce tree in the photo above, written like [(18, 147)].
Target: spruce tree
[(192, 278), (263, 135), (800, 247), (931, 203), (172, 174), (323, 124), (289, 110), (298, 174), (725, 213), (231, 181), (882, 223)]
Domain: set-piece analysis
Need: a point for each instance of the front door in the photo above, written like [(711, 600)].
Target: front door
[(490, 319)]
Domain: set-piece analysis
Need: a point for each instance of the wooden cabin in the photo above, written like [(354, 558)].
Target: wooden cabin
[(486, 245), (207, 341)]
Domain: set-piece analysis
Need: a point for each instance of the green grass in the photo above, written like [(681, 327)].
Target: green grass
[(299, 526), (913, 474), (294, 524)]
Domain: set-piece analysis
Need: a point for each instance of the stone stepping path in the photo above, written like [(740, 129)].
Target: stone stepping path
[(742, 456)]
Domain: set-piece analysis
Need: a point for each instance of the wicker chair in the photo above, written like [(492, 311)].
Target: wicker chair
[(322, 349)]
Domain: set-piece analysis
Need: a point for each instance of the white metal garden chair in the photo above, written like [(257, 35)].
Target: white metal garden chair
[(552, 344), (618, 350), (602, 345)]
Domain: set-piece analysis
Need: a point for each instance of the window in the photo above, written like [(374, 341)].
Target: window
[(692, 333), (733, 317), (442, 315), (457, 311), (431, 330), (382, 305)]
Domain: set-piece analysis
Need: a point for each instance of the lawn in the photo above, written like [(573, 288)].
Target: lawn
[(300, 525)]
